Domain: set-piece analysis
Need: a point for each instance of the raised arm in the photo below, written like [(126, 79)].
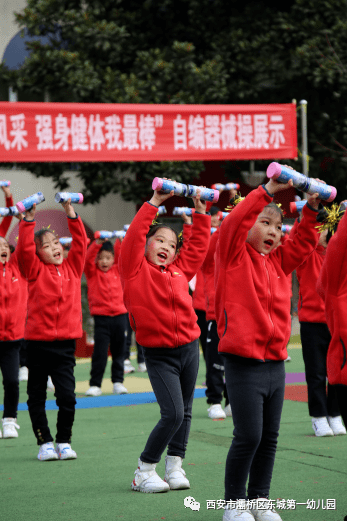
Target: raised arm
[(133, 246), (77, 254), (90, 266), (28, 262), (193, 251), (235, 227), (6, 221)]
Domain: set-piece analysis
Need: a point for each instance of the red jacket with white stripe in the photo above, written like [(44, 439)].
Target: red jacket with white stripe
[(208, 269), (311, 307), (252, 290), (157, 297), (54, 301), (6, 221), (332, 287), (105, 293), (13, 301)]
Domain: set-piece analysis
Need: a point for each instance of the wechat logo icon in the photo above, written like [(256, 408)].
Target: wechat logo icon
[(189, 502)]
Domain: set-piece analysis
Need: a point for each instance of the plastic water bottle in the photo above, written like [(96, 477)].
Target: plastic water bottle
[(227, 186), (179, 210), (5, 183), (343, 206), (286, 228), (4, 212), (103, 234), (65, 240), (297, 206), (126, 227), (62, 197), (13, 210), (206, 194), (27, 203), (165, 186), (161, 210), (119, 234), (308, 185)]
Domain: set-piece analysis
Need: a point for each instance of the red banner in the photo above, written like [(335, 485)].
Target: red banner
[(70, 132)]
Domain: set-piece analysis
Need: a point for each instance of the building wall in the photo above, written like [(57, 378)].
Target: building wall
[(110, 214)]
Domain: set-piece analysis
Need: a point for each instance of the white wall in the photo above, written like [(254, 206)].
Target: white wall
[(8, 27), (110, 214)]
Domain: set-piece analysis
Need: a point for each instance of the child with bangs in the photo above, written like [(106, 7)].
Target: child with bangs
[(54, 322), (155, 272), (254, 325), (105, 297)]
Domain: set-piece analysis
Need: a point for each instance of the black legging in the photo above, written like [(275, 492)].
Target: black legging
[(172, 373), (256, 394)]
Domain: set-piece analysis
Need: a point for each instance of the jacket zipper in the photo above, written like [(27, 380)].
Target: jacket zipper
[(56, 324), (269, 307), (173, 307)]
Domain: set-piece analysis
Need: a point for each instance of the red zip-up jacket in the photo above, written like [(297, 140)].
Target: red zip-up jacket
[(54, 301), (208, 269), (252, 290), (332, 287), (105, 292), (199, 300), (157, 297), (6, 221), (311, 307), (13, 301)]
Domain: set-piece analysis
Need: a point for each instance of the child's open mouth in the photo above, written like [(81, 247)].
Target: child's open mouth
[(56, 255), (4, 256), (162, 256), (268, 243)]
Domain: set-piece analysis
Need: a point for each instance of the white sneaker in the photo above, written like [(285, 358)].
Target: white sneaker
[(216, 412), (94, 391), (23, 374), (336, 425), (227, 410), (64, 451), (265, 515), (47, 452), (321, 427), (174, 474), (288, 359), (128, 368), (142, 367), (147, 480), (235, 514), (50, 385), (9, 426), (118, 388)]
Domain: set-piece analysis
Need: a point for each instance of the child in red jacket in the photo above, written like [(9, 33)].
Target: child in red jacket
[(54, 322), (253, 315), (315, 338), (331, 286), (13, 295), (105, 297), (155, 283)]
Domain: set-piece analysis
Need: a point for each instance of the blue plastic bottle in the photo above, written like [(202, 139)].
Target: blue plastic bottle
[(28, 202), (62, 197)]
